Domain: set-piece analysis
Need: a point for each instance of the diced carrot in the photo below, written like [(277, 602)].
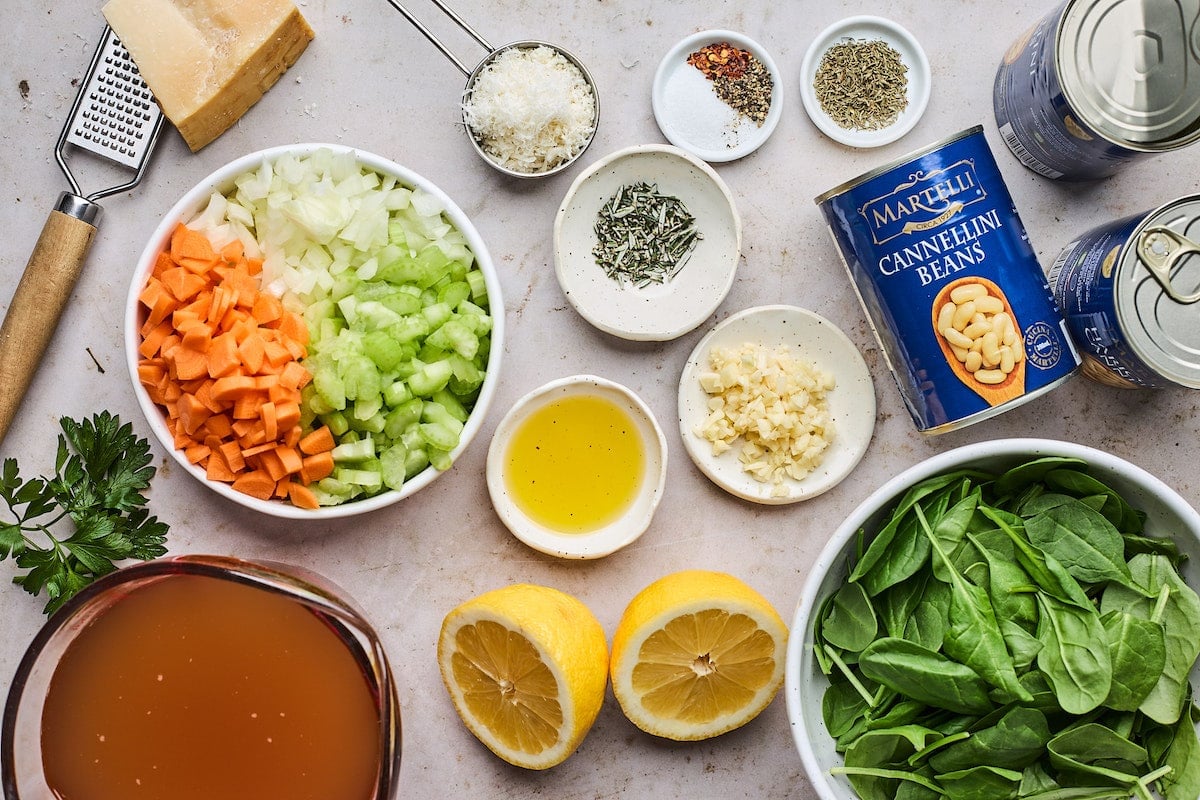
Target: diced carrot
[(223, 358), (282, 486), (248, 407), (277, 355), (317, 466), (258, 449), (254, 265), (189, 247), (294, 376), (318, 441), (291, 437), (219, 425), (192, 413), (164, 304), (291, 459), (252, 352), (233, 456), (196, 336), (218, 469), (182, 284), (266, 308), (302, 496), (189, 363), (230, 388), (270, 422), (257, 483), (287, 415), (292, 326), (272, 464), (197, 453), (150, 292), (233, 251), (149, 374), (162, 263), (152, 341)]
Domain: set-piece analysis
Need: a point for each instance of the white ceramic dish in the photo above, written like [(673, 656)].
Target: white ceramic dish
[(617, 534), (660, 311), (691, 115), (810, 337), (911, 53), (1166, 513), (222, 180)]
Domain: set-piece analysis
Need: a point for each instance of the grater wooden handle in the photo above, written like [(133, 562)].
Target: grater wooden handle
[(38, 302)]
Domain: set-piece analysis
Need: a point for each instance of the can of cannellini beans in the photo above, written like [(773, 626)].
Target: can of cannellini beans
[(1097, 84), (950, 284), (1130, 290)]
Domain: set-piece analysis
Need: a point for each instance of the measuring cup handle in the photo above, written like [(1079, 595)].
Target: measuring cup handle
[(41, 295)]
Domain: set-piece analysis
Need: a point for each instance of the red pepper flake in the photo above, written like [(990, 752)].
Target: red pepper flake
[(720, 60)]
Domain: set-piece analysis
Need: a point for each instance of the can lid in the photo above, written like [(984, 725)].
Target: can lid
[(1129, 71), (1157, 289)]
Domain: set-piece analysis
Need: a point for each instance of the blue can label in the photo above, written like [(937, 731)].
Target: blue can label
[(950, 283), (1037, 123), (1085, 289)]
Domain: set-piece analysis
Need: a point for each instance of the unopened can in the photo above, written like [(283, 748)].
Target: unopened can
[(1097, 84), (950, 284), (1130, 290)]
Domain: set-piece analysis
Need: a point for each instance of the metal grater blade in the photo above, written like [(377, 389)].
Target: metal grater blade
[(115, 115)]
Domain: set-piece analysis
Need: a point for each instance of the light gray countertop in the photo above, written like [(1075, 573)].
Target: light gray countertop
[(371, 81)]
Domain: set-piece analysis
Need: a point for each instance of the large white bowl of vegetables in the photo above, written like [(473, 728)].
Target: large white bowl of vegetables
[(361, 272), (1004, 620)]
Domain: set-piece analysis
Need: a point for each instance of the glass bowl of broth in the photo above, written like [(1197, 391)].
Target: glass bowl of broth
[(203, 677)]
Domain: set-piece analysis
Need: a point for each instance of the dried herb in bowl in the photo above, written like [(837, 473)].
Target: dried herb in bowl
[(644, 236), (862, 84)]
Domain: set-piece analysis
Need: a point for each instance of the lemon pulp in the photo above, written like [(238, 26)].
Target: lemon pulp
[(575, 464)]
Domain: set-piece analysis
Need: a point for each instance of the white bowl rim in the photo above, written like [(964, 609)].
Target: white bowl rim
[(831, 554), (594, 544), (685, 326), (774, 113), (922, 76), (193, 200)]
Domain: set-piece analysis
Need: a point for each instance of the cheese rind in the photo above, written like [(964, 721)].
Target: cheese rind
[(208, 61)]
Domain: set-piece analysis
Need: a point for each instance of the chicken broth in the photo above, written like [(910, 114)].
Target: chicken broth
[(195, 688)]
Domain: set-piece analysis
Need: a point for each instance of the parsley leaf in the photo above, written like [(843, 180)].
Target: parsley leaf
[(90, 515)]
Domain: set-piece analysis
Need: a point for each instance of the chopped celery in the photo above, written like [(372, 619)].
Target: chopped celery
[(354, 451)]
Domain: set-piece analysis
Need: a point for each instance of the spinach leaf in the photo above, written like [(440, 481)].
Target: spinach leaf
[(931, 618), (1183, 757), (896, 606), (1096, 751), (1082, 540), (1033, 471), (1035, 779), (1154, 546), (980, 783), (876, 762), (1138, 651), (974, 637), (882, 541), (925, 676), (1080, 484), (841, 707), (1048, 574), (849, 622), (1015, 741), (1073, 657), (1009, 586), (907, 552), (1154, 577)]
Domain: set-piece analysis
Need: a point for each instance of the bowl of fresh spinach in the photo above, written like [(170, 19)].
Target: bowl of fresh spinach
[(1010, 619)]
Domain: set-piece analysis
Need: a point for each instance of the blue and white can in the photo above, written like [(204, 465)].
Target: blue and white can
[(1097, 84), (1130, 290), (950, 283)]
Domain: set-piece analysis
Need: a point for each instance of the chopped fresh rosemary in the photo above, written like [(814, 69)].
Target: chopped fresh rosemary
[(643, 236), (862, 84)]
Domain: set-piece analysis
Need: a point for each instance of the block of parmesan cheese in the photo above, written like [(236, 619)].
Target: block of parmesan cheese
[(208, 61)]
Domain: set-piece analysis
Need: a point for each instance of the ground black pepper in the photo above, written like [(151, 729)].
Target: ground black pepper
[(739, 79)]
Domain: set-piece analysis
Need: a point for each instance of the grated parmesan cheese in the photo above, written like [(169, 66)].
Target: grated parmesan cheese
[(775, 403), (530, 109)]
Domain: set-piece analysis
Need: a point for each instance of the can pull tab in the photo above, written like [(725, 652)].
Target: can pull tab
[(1161, 249)]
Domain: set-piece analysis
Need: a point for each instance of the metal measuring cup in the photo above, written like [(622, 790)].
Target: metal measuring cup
[(473, 75)]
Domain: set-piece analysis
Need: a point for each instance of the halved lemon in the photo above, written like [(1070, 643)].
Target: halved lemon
[(697, 654), (526, 667)]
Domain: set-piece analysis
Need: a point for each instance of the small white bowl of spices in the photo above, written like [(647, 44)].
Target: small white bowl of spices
[(577, 467), (647, 242), (718, 95), (865, 81)]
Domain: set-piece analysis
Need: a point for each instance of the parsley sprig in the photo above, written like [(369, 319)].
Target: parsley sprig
[(88, 516)]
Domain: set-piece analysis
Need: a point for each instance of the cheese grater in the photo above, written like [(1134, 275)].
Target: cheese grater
[(116, 118)]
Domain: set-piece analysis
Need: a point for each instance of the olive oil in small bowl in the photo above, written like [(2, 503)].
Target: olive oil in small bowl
[(577, 467)]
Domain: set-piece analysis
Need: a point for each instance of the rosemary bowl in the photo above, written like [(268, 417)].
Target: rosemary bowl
[(691, 114), (641, 302), (868, 29), (1167, 515)]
